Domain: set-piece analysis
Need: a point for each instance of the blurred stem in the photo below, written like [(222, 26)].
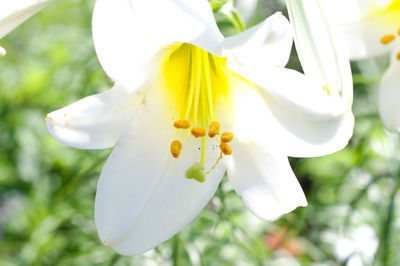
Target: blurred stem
[(176, 250), (353, 204), (71, 184), (115, 259), (255, 250), (239, 22), (234, 18), (359, 79), (384, 241), (368, 116)]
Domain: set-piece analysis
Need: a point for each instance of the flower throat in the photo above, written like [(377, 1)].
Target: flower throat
[(195, 80), (387, 39)]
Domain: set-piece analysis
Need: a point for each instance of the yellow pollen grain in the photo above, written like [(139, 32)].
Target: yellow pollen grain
[(214, 129), (387, 39), (225, 148), (176, 147), (182, 124), (227, 137), (398, 56), (198, 132)]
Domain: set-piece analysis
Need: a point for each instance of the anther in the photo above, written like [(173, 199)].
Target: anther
[(398, 32), (198, 132), (387, 39), (225, 148), (214, 129), (176, 147), (227, 137), (398, 56), (182, 124)]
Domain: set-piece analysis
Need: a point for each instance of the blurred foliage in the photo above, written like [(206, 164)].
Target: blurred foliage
[(47, 189)]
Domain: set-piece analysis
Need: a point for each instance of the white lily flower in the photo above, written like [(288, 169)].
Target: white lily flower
[(189, 104), (15, 12), (371, 28)]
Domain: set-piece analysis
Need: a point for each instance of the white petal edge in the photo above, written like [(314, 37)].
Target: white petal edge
[(268, 43), (15, 12), (389, 95), (320, 52), (129, 34), (265, 181), (299, 117), (94, 122), (143, 197)]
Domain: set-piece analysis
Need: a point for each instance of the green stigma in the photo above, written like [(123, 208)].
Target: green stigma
[(196, 171)]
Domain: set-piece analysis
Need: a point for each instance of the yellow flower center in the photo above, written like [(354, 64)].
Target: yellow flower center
[(394, 6), (195, 80), (389, 38)]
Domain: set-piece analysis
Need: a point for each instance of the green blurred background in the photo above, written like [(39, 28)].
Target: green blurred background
[(47, 189)]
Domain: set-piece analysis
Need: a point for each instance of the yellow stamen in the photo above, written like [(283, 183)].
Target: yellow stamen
[(387, 38), (227, 137), (176, 147), (194, 81), (225, 148), (198, 132), (182, 124), (398, 32), (214, 129), (398, 56)]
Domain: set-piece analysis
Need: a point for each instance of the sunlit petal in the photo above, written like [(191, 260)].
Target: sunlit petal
[(290, 109), (143, 197), (128, 34), (389, 95), (320, 50), (266, 44), (265, 181), (95, 122), (15, 12)]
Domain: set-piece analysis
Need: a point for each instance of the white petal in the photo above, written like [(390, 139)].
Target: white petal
[(348, 11), (15, 12), (265, 181), (301, 118), (389, 95), (180, 21), (128, 34), (320, 52), (94, 122), (268, 43), (143, 197)]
